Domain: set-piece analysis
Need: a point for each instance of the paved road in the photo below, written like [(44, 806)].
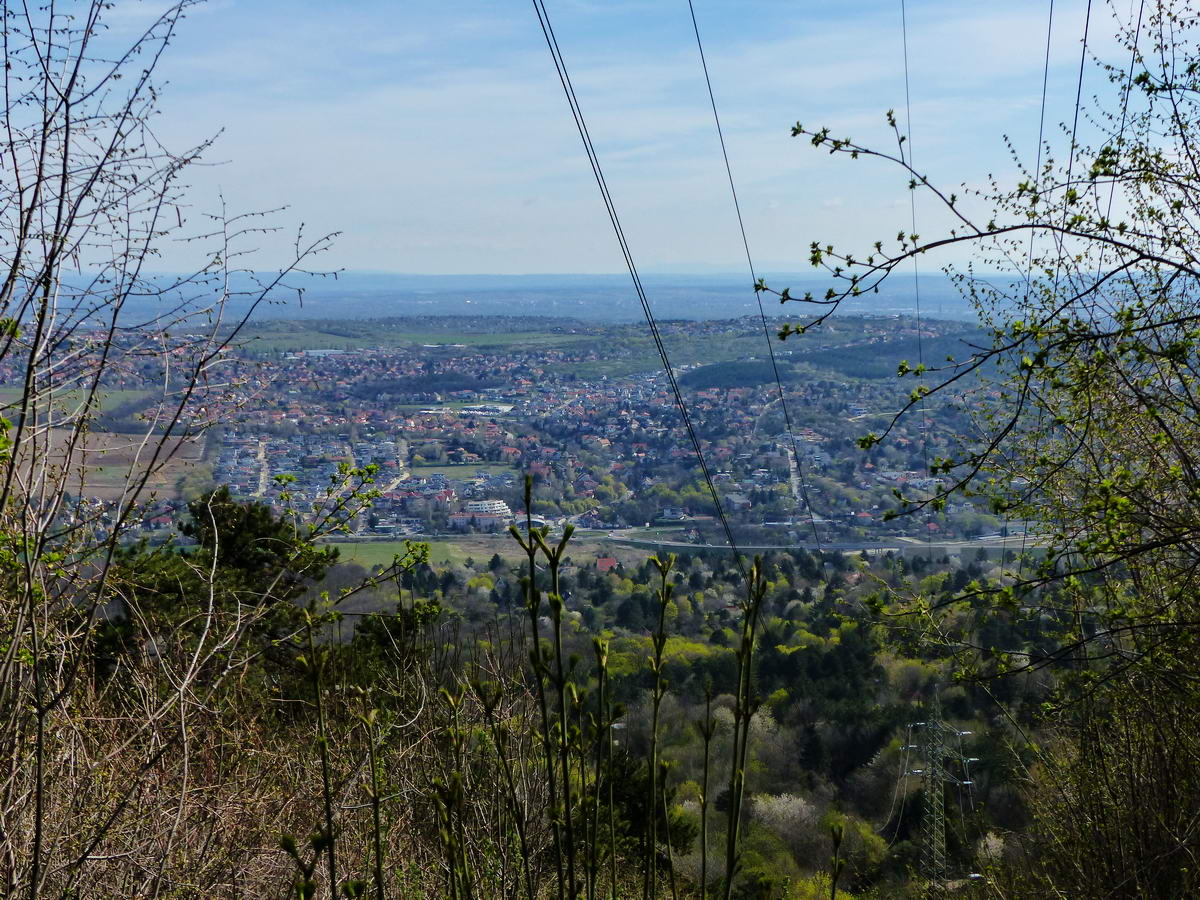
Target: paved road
[(263, 473), (910, 545)]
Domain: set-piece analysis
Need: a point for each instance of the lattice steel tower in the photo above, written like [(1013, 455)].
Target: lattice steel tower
[(940, 745)]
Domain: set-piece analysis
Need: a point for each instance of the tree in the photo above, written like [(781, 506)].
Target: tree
[(246, 558), (89, 195), (250, 541), (1092, 437)]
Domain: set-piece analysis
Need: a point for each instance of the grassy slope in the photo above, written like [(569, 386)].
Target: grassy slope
[(450, 550)]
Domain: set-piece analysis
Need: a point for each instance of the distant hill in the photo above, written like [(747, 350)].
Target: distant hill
[(879, 359), (598, 298), (737, 374)]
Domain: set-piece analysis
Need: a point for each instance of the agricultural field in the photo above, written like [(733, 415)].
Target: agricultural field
[(480, 547), (293, 336), (111, 460), (442, 551), (109, 399)]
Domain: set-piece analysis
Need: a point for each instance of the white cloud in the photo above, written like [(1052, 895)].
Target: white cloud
[(440, 140)]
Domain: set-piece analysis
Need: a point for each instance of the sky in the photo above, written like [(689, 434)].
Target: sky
[(434, 136)]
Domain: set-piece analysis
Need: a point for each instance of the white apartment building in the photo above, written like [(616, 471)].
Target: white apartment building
[(488, 508)]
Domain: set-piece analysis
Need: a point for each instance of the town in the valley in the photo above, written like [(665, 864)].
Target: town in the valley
[(445, 416)]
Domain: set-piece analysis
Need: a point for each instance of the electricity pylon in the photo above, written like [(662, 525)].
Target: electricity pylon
[(940, 745)]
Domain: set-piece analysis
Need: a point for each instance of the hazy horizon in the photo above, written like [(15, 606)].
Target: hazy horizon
[(588, 297)]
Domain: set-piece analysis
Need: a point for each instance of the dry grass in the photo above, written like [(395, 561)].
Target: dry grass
[(109, 462)]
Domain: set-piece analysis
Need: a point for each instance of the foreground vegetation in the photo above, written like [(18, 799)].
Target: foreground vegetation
[(640, 732)]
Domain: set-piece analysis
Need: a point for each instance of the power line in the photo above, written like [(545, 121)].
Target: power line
[(934, 737), (901, 773), (1058, 239), (1133, 54), (1037, 169), (598, 173), (912, 204), (1037, 178), (787, 417)]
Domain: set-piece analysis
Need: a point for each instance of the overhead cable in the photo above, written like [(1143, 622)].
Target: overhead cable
[(912, 203), (598, 173), (787, 418)]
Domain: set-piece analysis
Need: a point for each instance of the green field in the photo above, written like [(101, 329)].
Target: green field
[(274, 337), (442, 551), (109, 399), (480, 547), (639, 354)]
